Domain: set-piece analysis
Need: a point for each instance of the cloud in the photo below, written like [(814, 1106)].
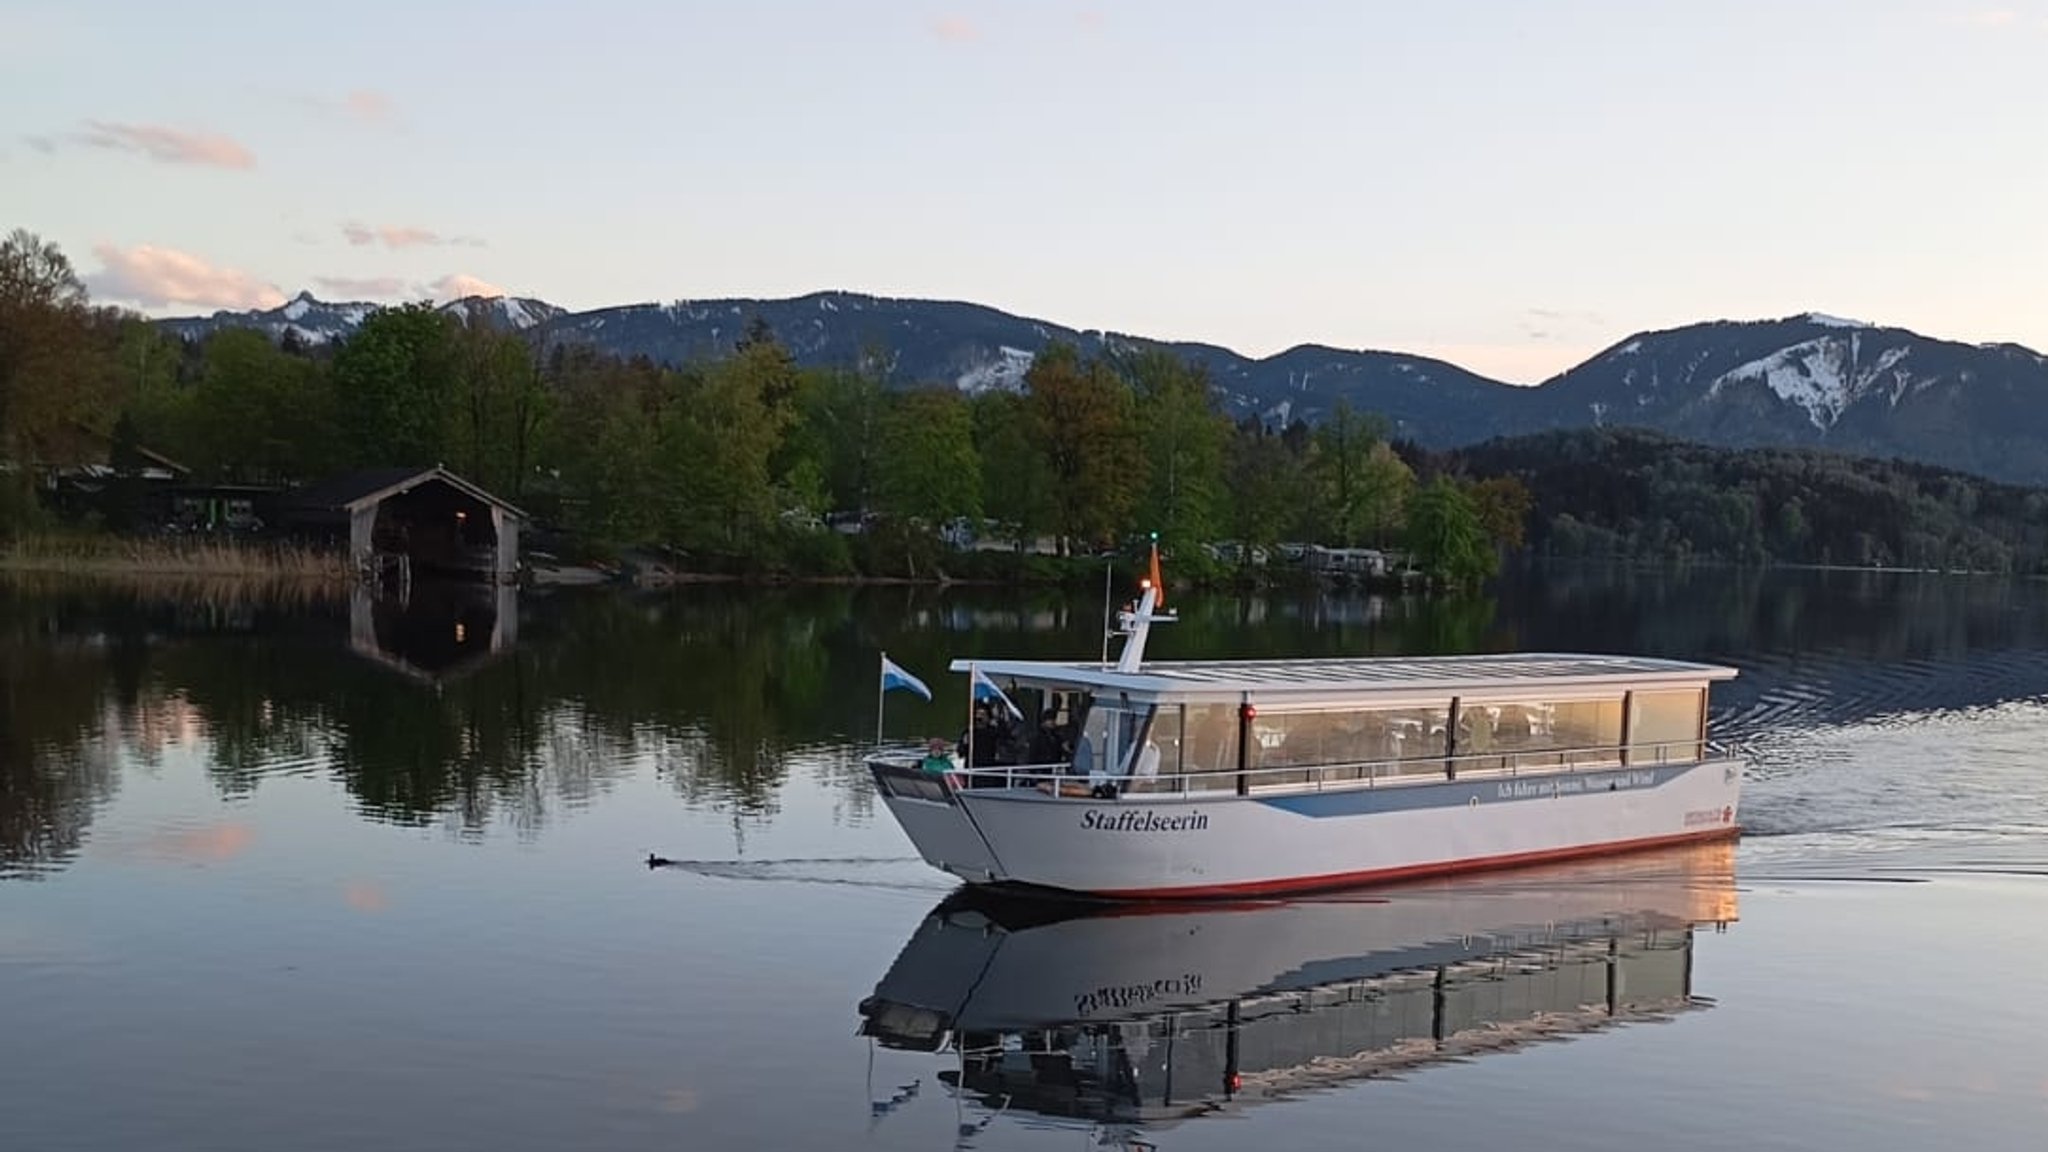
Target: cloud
[(154, 277), (164, 144), (361, 105), (370, 107), (1549, 323), (403, 237), (363, 287), (955, 30), (457, 285), (2002, 18)]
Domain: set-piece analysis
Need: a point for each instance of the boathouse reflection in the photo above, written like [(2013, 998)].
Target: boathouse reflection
[(437, 631), (1146, 1019)]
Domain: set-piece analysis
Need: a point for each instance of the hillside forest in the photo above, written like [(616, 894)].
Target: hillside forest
[(736, 464)]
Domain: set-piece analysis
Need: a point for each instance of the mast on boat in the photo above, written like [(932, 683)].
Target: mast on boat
[(1134, 621)]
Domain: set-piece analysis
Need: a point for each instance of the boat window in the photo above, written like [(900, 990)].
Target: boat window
[(1111, 736), (1534, 733), (1665, 726), (1209, 743), (1350, 736)]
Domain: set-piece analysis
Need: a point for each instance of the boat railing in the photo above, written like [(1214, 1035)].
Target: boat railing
[(1057, 779)]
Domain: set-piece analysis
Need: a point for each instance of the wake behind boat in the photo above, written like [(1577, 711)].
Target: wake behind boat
[(1221, 778)]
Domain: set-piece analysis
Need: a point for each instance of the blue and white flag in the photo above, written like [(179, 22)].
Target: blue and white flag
[(893, 676), (985, 689)]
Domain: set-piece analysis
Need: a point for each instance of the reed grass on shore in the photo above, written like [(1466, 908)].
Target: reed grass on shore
[(183, 559)]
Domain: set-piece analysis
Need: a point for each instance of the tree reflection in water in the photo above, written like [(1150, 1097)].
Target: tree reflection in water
[(478, 708)]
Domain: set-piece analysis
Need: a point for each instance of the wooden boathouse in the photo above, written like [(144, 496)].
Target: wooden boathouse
[(416, 521)]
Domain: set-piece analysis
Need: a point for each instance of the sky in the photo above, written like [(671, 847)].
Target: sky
[(1511, 185)]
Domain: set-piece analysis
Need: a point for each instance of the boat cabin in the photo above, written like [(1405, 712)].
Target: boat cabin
[(1246, 726)]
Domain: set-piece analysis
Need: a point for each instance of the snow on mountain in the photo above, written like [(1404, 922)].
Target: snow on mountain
[(305, 316), (1822, 376), (1006, 371), (517, 313)]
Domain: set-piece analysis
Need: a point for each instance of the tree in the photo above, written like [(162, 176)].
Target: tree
[(393, 381), (1184, 437), (720, 432), (838, 428), (1016, 481), (54, 380), (1343, 450), (928, 469), (255, 414), (498, 406), (1445, 535), (1265, 479), (1079, 416), (1385, 486), (1503, 504)]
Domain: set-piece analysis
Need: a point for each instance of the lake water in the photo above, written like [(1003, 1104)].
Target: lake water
[(316, 875)]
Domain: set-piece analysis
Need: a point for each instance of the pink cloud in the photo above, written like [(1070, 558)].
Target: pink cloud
[(154, 277), (457, 285), (955, 30), (168, 145), (403, 237), (370, 107), (2004, 18), (362, 287)]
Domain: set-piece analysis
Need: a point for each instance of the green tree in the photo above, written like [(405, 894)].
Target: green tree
[(1503, 504), (498, 407), (1265, 483), (255, 414), (1344, 446), (719, 435), (55, 392), (928, 469), (1184, 437), (1016, 481), (394, 382), (1384, 488), (1446, 536), (1081, 419)]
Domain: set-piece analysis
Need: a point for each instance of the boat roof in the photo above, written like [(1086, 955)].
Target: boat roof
[(1356, 675)]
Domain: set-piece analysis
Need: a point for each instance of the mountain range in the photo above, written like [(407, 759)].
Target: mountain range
[(1813, 379)]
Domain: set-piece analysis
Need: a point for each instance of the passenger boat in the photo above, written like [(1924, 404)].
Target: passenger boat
[(1228, 778)]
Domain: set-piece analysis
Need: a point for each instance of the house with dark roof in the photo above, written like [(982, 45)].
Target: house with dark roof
[(435, 522)]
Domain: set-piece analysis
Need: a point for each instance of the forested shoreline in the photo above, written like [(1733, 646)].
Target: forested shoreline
[(750, 464)]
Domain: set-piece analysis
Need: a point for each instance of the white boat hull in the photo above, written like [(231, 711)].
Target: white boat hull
[(1210, 845)]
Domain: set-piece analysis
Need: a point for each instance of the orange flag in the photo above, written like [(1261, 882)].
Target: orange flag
[(1156, 581)]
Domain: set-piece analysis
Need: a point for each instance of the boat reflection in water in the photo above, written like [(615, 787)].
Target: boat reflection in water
[(1130, 1017)]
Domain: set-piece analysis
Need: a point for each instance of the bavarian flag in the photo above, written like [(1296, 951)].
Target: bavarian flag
[(893, 676)]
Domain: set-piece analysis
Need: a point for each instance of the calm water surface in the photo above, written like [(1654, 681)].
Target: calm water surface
[(330, 876)]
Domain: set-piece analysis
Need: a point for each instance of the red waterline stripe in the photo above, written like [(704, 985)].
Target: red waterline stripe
[(1415, 871)]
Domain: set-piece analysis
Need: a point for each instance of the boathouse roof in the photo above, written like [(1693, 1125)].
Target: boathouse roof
[(354, 490)]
